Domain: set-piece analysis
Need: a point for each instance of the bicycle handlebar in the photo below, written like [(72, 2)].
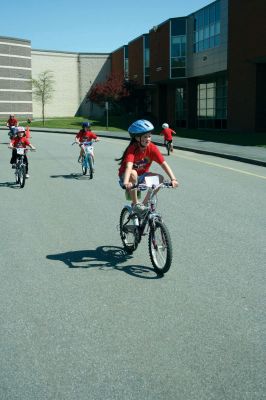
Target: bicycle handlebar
[(143, 186)]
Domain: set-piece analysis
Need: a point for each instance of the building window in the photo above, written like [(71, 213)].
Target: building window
[(212, 104), (180, 108), (146, 59), (178, 48), (126, 62), (207, 27)]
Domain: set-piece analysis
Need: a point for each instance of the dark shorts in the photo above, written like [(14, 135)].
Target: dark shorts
[(141, 178)]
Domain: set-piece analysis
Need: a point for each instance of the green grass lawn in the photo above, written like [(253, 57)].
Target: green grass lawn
[(118, 123)]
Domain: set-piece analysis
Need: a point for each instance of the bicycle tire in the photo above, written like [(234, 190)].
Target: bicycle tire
[(128, 231), (17, 174), (22, 175), (168, 146), (84, 165), (160, 247), (91, 165)]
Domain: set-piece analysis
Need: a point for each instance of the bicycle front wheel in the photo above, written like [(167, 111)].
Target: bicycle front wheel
[(160, 247), (84, 165), (91, 165), (22, 176), (128, 231)]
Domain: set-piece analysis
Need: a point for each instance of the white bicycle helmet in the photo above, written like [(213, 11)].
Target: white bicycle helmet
[(140, 127), (20, 129), (165, 125)]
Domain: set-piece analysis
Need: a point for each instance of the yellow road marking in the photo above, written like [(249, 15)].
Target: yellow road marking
[(210, 163), (221, 166)]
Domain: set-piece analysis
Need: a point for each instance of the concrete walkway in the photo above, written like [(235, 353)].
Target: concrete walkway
[(249, 154)]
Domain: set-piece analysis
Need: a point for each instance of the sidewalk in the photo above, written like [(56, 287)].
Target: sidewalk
[(248, 154)]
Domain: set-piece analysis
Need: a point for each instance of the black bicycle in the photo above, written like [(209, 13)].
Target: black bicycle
[(20, 171), (133, 228), (167, 144)]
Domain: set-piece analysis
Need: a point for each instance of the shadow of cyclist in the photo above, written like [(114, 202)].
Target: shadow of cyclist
[(104, 257), (71, 176), (11, 185)]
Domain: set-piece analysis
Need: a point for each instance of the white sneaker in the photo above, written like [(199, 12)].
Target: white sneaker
[(140, 209), (27, 176)]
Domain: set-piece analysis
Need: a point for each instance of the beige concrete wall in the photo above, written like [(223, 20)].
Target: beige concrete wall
[(74, 74), (64, 66), (93, 68)]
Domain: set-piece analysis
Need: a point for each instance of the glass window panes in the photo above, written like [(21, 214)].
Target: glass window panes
[(178, 48), (207, 27), (212, 103)]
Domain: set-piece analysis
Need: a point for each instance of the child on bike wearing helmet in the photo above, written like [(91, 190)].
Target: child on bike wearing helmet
[(137, 159), (12, 121), (85, 135), (20, 141), (167, 133)]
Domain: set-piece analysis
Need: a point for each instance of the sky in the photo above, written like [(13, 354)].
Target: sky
[(85, 26)]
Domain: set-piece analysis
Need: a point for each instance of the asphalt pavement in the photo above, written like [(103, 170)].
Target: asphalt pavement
[(248, 154)]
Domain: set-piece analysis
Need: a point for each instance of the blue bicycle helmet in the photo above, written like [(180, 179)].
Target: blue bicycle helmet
[(85, 124), (140, 127)]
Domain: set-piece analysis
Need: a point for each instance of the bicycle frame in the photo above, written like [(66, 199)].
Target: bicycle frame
[(88, 151), (133, 227), (20, 170)]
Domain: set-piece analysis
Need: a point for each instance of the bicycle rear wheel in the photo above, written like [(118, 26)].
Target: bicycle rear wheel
[(168, 146), (160, 247), (128, 231), (22, 175), (84, 165)]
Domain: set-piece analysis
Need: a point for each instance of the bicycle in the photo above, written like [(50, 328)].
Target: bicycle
[(87, 160), (12, 132), (168, 146), (133, 228), (20, 170)]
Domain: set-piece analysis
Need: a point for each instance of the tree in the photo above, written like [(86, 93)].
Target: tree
[(126, 95), (112, 90), (43, 89)]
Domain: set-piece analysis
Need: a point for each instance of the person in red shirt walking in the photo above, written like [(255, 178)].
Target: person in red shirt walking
[(85, 135), (168, 135), (20, 141), (136, 161)]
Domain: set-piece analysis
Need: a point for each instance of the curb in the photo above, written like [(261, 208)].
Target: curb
[(178, 147)]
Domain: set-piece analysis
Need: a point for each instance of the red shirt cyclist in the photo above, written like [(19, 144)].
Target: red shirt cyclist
[(20, 141), (168, 134), (136, 161), (85, 135)]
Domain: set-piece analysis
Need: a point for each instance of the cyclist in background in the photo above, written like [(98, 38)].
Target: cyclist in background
[(12, 121), (12, 124), (85, 135), (167, 133), (20, 141), (137, 159)]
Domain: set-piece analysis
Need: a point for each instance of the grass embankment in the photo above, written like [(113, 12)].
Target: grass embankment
[(118, 123)]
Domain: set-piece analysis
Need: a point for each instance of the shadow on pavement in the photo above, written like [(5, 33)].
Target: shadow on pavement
[(12, 185), (71, 176), (104, 257)]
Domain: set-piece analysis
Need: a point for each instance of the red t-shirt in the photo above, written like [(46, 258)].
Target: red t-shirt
[(167, 132), (12, 122), (20, 142), (141, 159), (86, 136)]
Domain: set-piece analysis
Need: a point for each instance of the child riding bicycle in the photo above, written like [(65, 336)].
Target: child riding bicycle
[(136, 161), (20, 141), (167, 133), (85, 135)]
